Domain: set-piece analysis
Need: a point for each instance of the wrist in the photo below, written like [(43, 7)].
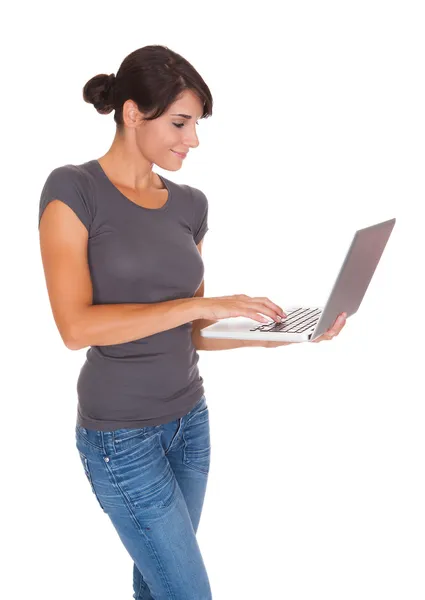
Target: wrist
[(198, 308)]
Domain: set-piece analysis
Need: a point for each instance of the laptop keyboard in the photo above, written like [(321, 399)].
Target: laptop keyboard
[(297, 321)]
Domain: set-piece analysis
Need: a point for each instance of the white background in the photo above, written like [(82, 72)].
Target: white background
[(316, 487)]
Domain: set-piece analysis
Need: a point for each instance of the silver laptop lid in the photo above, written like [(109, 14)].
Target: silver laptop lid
[(355, 274)]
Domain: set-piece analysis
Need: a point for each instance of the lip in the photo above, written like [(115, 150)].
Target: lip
[(179, 154)]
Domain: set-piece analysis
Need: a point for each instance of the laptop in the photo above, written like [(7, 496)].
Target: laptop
[(306, 323)]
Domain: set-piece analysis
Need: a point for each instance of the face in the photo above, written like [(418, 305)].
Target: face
[(160, 140)]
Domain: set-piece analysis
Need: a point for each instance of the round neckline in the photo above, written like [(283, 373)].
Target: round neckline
[(162, 208)]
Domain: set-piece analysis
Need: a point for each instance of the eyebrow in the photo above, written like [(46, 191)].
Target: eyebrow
[(181, 115)]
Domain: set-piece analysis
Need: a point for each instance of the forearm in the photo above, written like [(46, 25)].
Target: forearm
[(222, 344), (107, 324)]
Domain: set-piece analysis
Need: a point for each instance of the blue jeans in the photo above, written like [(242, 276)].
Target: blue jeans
[(151, 483)]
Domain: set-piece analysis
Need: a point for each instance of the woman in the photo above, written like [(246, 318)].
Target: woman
[(121, 250)]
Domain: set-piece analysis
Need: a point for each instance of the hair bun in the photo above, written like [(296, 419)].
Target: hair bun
[(110, 83), (100, 91)]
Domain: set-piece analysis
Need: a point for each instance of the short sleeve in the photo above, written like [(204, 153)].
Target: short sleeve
[(68, 184), (200, 214)]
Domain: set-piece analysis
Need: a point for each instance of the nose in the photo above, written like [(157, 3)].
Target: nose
[(192, 140)]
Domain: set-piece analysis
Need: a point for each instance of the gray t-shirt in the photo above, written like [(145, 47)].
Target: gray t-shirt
[(136, 255)]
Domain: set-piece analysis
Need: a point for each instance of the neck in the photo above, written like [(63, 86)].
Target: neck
[(125, 165)]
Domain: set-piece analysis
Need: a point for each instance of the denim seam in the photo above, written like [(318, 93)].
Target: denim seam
[(90, 478), (174, 437), (189, 466), (187, 462)]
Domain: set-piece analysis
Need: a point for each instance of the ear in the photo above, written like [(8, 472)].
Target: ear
[(131, 115)]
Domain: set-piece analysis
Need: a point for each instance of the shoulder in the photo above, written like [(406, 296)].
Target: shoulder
[(196, 193), (198, 198), (78, 172), (71, 184), (69, 176)]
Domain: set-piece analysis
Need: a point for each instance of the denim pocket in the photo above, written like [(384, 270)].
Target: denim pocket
[(126, 439), (85, 463)]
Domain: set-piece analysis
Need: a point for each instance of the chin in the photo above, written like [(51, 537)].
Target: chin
[(169, 166)]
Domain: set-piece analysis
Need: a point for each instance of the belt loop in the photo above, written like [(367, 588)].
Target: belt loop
[(107, 442)]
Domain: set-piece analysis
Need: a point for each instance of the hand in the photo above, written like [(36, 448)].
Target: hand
[(239, 305), (334, 330)]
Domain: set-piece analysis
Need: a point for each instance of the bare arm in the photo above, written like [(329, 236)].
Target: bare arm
[(63, 244), (104, 324), (222, 344)]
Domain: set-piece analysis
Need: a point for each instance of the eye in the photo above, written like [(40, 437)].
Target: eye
[(182, 124)]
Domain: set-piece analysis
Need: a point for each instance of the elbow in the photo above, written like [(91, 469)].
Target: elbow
[(71, 339), (72, 345)]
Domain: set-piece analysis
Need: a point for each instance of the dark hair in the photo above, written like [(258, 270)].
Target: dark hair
[(153, 77)]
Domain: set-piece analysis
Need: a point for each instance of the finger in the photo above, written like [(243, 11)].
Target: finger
[(340, 326), (340, 320), (335, 330), (276, 307), (328, 335), (263, 308), (272, 305)]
